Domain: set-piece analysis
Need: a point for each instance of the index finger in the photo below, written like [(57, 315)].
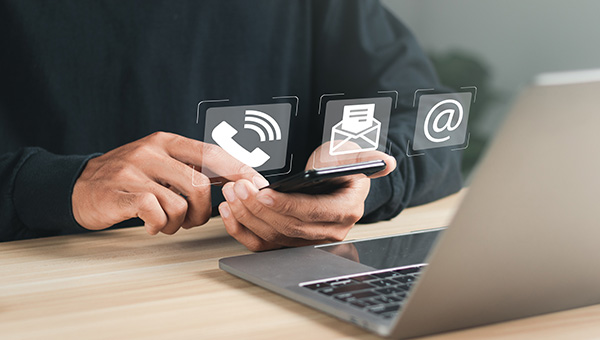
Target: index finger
[(212, 158)]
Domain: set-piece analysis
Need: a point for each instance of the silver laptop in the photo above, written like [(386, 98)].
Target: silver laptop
[(523, 242)]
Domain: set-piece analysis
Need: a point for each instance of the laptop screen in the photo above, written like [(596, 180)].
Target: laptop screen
[(387, 252)]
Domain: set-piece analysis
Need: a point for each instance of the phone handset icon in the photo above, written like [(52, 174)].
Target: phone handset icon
[(223, 135)]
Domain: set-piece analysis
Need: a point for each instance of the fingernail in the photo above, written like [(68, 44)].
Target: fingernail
[(224, 210), (260, 181), (240, 190), (228, 193)]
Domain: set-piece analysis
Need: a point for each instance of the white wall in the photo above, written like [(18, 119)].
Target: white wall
[(516, 39)]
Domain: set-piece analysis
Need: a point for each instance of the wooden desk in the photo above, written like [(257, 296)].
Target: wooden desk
[(124, 284)]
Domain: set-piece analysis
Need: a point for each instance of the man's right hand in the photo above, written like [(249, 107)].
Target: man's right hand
[(151, 178)]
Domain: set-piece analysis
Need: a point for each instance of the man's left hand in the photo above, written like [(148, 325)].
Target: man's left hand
[(267, 219)]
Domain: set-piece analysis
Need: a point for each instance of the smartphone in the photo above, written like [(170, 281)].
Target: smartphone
[(325, 180)]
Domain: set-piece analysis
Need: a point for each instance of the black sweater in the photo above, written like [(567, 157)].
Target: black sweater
[(79, 78)]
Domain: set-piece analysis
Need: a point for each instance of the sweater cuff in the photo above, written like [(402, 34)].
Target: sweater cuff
[(43, 190)]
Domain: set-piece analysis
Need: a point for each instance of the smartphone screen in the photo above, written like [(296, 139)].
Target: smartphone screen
[(325, 180)]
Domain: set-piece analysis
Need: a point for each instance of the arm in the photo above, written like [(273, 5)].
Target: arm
[(45, 194), (363, 49), (35, 189)]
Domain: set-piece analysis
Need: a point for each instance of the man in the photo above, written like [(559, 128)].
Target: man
[(82, 78)]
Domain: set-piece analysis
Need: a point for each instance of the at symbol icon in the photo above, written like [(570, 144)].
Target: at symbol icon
[(436, 122)]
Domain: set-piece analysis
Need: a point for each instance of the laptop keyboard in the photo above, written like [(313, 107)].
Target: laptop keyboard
[(380, 293)]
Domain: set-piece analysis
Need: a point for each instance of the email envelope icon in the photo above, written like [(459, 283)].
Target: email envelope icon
[(344, 142)]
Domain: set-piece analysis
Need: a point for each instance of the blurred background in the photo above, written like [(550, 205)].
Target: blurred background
[(499, 46)]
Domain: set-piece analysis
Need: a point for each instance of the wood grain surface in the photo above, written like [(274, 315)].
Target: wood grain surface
[(125, 284)]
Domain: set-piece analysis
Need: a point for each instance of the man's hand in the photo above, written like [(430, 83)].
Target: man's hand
[(268, 219), (151, 178)]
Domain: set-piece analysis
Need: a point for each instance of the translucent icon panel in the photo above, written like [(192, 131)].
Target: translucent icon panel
[(442, 120), (255, 135), (354, 130)]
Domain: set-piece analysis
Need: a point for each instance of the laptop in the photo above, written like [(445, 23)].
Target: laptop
[(523, 242)]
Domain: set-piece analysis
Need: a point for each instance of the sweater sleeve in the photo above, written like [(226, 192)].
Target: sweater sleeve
[(364, 49), (35, 189)]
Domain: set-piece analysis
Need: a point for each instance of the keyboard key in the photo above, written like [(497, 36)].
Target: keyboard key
[(408, 270), (343, 296), (381, 299), (362, 278), (342, 282), (383, 275), (316, 286), (346, 288), (359, 304), (387, 299), (388, 291), (326, 291), (382, 309), (370, 302), (364, 295), (383, 283), (402, 287), (404, 279), (396, 298)]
